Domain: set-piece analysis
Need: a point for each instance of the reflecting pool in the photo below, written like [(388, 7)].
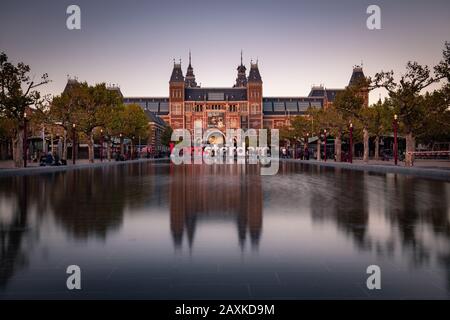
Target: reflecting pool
[(159, 231)]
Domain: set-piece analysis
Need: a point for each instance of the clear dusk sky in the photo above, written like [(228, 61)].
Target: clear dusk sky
[(298, 43)]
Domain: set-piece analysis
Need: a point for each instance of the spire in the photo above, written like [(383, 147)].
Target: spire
[(241, 80), (190, 76)]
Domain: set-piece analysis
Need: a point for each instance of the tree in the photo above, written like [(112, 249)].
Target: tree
[(135, 123), (317, 125), (351, 105), (94, 104), (17, 93), (127, 121), (63, 110), (334, 122), (166, 136), (405, 95), (380, 117), (435, 107)]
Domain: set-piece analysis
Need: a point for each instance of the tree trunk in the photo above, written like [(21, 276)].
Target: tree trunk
[(122, 149), (64, 156), (108, 150), (91, 146), (18, 149), (131, 150), (366, 145), (318, 149), (377, 148), (338, 147), (51, 144), (410, 147)]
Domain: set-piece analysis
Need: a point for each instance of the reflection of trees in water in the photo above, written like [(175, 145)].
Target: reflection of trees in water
[(12, 234), (412, 206), (215, 192), (91, 202), (87, 202), (345, 202)]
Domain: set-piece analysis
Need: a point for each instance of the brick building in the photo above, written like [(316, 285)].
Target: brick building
[(242, 105)]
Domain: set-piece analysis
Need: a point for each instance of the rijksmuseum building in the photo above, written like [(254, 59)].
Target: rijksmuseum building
[(242, 105)]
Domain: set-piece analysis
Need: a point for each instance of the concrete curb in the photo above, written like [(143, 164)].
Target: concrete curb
[(44, 170), (435, 173)]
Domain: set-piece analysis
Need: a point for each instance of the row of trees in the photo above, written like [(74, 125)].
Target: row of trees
[(89, 110), (422, 115), (93, 111)]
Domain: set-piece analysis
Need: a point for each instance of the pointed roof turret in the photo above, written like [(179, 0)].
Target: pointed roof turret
[(190, 76), (177, 73), (254, 75), (241, 80), (357, 75)]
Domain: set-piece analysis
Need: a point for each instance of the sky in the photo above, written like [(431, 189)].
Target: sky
[(297, 43)]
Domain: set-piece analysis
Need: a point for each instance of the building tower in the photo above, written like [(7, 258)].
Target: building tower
[(254, 97), (359, 79), (176, 97), (241, 80), (190, 77)]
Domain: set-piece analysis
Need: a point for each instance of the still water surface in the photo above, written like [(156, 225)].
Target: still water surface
[(159, 231)]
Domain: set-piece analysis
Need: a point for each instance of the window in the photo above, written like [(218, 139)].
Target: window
[(198, 108), (233, 108), (176, 109), (254, 109)]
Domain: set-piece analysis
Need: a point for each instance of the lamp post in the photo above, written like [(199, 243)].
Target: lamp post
[(131, 151), (350, 157), (101, 145), (307, 141), (395, 124), (325, 145), (73, 143), (139, 148), (121, 151), (25, 144)]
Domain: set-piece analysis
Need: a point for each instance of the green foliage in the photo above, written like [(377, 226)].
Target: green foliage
[(134, 121), (17, 89), (405, 94), (380, 117), (166, 136)]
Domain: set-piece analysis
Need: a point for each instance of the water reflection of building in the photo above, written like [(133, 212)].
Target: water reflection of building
[(215, 192)]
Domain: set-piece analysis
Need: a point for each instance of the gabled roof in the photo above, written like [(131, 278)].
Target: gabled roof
[(152, 117)]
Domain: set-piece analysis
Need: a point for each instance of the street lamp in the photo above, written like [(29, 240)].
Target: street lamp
[(131, 152), (101, 145), (325, 145), (395, 124), (25, 138), (73, 143), (121, 145), (350, 156)]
